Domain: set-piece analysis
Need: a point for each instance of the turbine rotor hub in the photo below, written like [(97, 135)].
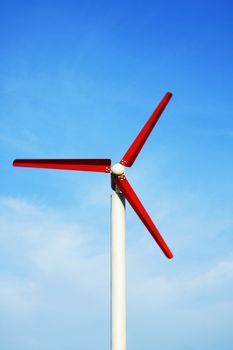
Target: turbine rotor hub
[(118, 169)]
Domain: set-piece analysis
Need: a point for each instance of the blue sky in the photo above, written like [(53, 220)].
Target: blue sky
[(79, 79)]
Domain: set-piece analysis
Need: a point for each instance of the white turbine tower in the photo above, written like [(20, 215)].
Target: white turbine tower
[(121, 190)]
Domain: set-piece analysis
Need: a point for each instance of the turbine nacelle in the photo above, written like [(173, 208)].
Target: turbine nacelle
[(118, 169)]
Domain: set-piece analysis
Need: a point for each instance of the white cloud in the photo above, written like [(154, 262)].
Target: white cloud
[(150, 291), (18, 205), (56, 265), (17, 295), (49, 250)]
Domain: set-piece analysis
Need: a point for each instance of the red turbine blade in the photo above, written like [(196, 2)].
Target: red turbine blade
[(99, 165), (125, 187), (138, 143)]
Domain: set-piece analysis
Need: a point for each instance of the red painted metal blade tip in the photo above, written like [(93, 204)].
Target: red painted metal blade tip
[(170, 256)]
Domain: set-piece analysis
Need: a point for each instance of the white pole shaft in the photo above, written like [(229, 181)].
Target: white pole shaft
[(118, 287)]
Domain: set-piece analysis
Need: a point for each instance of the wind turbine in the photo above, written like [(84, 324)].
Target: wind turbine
[(121, 190)]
